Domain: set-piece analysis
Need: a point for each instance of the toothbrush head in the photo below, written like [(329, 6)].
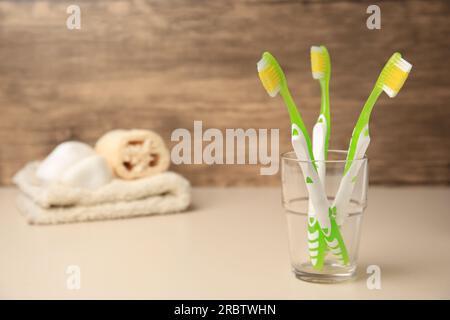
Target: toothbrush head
[(394, 75), (320, 63), (270, 74)]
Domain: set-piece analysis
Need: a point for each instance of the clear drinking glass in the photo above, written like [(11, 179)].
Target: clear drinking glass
[(296, 203)]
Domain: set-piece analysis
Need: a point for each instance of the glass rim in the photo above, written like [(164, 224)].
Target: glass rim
[(286, 156)]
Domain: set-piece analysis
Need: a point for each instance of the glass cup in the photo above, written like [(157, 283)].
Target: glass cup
[(296, 203)]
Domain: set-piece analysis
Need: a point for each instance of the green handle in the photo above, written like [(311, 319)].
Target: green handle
[(296, 118), (325, 110), (363, 120), (340, 250)]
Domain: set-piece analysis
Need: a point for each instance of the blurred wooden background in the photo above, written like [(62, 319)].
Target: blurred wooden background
[(163, 64)]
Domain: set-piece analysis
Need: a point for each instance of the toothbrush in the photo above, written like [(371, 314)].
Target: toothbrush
[(274, 81), (390, 80), (321, 70)]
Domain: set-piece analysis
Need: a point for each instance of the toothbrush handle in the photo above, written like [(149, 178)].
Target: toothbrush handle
[(296, 119), (362, 122), (318, 147), (316, 241), (347, 183), (318, 206), (325, 111), (319, 142), (335, 242), (323, 214), (312, 180)]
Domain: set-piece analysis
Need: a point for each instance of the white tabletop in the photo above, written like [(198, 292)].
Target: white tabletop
[(231, 245)]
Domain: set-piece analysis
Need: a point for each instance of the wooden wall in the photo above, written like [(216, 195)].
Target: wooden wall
[(163, 64)]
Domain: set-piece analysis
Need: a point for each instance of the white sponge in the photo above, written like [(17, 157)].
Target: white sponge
[(61, 159), (75, 164), (90, 173)]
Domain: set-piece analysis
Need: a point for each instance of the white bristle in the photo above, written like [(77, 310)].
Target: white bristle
[(261, 65), (317, 75), (275, 92), (404, 65), (316, 49), (391, 93)]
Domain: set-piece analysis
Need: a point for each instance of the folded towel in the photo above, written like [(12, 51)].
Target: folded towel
[(127, 209), (55, 203), (134, 153)]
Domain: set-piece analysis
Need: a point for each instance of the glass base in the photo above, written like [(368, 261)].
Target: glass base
[(324, 277)]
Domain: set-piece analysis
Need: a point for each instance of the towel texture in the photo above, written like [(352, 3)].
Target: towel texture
[(55, 203)]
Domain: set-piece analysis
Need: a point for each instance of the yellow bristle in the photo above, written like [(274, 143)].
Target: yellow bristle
[(395, 79), (317, 63), (270, 79)]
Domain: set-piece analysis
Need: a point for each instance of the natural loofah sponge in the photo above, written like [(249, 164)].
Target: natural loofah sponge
[(134, 153)]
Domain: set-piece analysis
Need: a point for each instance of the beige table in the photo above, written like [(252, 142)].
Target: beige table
[(233, 244)]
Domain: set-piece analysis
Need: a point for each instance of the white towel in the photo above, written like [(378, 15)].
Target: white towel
[(55, 203)]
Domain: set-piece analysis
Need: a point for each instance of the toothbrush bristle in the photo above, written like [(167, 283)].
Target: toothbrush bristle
[(319, 63), (269, 76), (395, 74)]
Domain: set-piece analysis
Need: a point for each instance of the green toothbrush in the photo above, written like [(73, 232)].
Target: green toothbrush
[(274, 81), (390, 80), (321, 70)]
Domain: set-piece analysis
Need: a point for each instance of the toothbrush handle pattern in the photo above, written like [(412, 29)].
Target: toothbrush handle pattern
[(335, 242), (316, 244)]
